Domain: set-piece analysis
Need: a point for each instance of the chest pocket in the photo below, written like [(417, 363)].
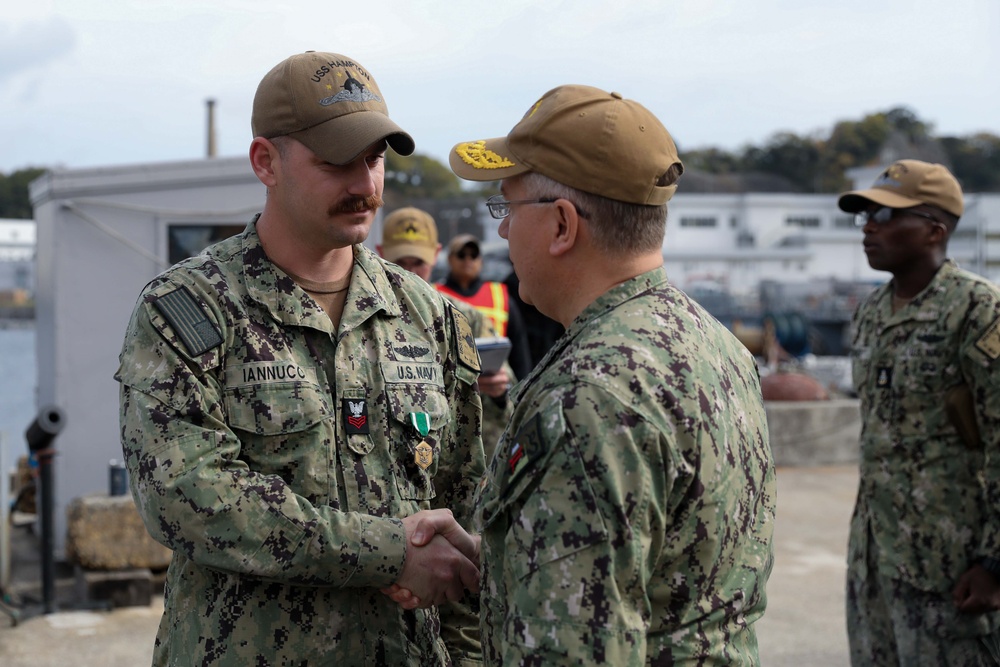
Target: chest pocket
[(276, 408), (416, 456)]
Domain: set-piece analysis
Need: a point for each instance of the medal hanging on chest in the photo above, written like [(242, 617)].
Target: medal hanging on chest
[(424, 453)]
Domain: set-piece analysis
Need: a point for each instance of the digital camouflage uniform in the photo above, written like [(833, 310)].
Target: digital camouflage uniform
[(496, 413), (276, 457), (627, 515), (928, 503)]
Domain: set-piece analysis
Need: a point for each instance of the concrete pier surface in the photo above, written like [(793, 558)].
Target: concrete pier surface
[(804, 623)]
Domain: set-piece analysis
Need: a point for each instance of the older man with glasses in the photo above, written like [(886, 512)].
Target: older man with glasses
[(923, 584), (627, 513)]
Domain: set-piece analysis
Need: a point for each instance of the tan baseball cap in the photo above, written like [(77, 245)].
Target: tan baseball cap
[(329, 103), (582, 137), (461, 241), (409, 232), (909, 183)]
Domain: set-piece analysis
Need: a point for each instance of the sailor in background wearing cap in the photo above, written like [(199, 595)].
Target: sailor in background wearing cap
[(292, 406), (923, 584), (626, 517)]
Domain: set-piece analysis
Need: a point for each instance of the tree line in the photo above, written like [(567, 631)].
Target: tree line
[(790, 162), (817, 164)]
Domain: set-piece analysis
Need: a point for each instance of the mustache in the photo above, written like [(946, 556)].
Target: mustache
[(358, 205)]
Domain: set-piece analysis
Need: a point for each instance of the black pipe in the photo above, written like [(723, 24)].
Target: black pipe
[(40, 434)]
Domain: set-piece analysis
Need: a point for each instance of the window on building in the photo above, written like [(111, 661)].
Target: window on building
[(802, 221), (188, 240), (695, 221)]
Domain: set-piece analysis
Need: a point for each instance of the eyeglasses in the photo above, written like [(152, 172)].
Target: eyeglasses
[(500, 207), (884, 214), (467, 254)]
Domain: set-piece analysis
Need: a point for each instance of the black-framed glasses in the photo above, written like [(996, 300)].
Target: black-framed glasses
[(500, 207), (884, 214), (471, 253)]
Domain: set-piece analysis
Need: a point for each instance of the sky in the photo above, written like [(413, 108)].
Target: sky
[(94, 83)]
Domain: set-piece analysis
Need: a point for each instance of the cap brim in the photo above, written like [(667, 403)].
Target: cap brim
[(485, 160), (397, 252), (461, 241), (858, 200), (340, 140)]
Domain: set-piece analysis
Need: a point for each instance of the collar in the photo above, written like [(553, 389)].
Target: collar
[(922, 307), (370, 291), (607, 302)]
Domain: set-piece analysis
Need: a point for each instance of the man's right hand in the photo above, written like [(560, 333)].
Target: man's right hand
[(441, 559)]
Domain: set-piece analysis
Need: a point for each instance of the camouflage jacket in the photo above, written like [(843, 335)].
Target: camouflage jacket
[(927, 375), (276, 457), (627, 515)]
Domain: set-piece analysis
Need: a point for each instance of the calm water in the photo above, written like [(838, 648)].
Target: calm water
[(17, 389)]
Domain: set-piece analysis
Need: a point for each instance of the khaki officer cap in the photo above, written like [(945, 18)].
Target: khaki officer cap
[(908, 183), (585, 138), (329, 103), (409, 232)]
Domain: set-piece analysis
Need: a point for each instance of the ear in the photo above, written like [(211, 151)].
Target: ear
[(567, 222), (263, 156), (939, 234)]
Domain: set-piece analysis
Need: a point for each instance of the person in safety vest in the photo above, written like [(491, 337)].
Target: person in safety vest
[(465, 264)]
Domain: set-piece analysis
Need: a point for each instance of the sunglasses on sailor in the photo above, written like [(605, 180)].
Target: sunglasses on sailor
[(884, 214)]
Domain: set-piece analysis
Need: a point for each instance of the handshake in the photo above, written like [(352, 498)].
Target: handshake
[(442, 561)]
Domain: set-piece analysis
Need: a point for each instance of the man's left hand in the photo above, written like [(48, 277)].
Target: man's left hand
[(494, 385)]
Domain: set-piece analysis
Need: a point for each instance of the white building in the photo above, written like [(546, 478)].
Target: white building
[(739, 240), (17, 255)]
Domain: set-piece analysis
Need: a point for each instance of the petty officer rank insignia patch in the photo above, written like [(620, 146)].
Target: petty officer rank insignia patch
[(517, 457), (355, 416), (526, 446), (468, 356), (188, 321), (989, 342)]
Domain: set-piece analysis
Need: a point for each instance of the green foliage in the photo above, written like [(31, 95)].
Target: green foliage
[(14, 202), (818, 164), (975, 161), (711, 160), (419, 176), (788, 155)]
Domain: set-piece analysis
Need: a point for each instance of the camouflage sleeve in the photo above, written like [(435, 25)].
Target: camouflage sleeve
[(459, 472), (578, 546), (981, 368), (197, 497)]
